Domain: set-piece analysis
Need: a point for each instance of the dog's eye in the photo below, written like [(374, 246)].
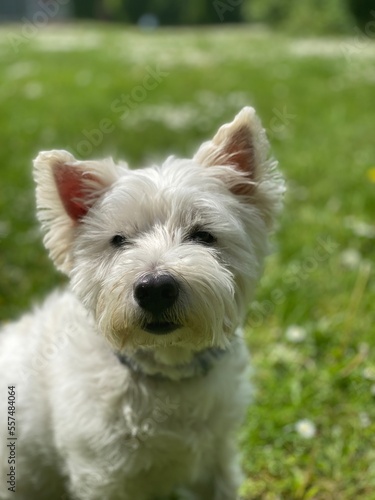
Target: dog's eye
[(203, 237), (118, 240)]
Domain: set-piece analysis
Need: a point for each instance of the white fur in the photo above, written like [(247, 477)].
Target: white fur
[(91, 427)]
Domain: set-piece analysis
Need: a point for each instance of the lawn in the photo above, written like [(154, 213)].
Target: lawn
[(310, 433)]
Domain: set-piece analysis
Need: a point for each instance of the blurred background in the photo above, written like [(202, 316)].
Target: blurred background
[(311, 16), (139, 80)]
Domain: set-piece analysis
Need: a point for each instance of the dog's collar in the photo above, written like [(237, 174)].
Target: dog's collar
[(201, 364)]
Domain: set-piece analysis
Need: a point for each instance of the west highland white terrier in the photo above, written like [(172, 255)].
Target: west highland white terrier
[(131, 383)]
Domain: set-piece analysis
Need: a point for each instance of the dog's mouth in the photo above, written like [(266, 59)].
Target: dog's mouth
[(161, 327)]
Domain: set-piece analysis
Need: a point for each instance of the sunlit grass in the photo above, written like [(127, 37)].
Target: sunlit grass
[(311, 330)]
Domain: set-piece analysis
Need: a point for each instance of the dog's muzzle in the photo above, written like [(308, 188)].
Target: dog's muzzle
[(156, 294)]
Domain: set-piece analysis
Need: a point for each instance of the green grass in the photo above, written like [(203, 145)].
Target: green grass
[(64, 81)]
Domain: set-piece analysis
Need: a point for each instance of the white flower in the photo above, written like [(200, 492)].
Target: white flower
[(369, 373), (295, 333), (306, 428), (350, 258), (359, 227), (364, 419), (281, 353)]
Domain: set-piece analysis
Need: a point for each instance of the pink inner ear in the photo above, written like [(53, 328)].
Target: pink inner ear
[(240, 152), (71, 190)]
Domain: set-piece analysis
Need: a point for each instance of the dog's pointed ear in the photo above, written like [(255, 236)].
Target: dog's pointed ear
[(242, 145), (66, 190), (239, 144)]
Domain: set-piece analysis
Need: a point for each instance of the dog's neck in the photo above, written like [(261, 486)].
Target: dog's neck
[(145, 363)]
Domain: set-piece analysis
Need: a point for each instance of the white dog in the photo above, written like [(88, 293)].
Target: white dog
[(131, 382)]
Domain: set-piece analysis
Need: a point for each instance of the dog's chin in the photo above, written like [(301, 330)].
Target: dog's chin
[(158, 334)]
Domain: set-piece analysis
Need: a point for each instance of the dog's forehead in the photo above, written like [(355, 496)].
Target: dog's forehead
[(168, 186), (171, 176), (179, 193)]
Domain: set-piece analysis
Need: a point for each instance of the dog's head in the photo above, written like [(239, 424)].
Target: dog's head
[(169, 255)]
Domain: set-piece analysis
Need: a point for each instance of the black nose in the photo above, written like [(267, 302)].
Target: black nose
[(156, 292)]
